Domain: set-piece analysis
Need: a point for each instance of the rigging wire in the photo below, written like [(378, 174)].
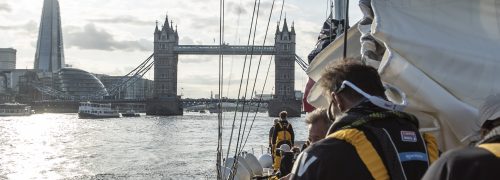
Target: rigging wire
[(255, 79), (221, 82), (232, 57), (281, 11), (346, 27), (248, 78), (241, 83), (258, 104), (246, 89)]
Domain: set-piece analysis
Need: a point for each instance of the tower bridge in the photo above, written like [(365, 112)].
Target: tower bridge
[(166, 58)]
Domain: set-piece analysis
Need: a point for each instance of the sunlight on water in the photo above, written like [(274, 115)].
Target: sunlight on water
[(61, 146)]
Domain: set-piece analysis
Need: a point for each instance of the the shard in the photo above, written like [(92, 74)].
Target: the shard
[(49, 55)]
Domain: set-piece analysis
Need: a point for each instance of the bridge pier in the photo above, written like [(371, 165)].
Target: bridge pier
[(292, 107), (164, 107)]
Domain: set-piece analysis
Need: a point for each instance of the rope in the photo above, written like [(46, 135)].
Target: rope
[(237, 35), (258, 104), (346, 27), (236, 153), (241, 83), (248, 80), (221, 82), (281, 11), (255, 79)]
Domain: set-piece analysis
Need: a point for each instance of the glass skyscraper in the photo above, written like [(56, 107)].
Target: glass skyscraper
[(49, 55)]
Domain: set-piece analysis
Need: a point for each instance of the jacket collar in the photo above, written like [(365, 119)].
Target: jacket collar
[(492, 137)]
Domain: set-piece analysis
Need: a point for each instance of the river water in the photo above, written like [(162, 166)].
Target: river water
[(61, 146)]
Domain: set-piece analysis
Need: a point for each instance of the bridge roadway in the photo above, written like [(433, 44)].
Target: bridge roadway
[(185, 102), (226, 49)]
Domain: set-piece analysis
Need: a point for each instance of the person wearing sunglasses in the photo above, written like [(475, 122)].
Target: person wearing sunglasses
[(371, 138)]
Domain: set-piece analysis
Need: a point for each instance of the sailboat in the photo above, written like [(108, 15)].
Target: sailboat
[(442, 54)]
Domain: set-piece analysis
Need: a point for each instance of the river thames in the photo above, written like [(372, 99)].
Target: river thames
[(61, 146)]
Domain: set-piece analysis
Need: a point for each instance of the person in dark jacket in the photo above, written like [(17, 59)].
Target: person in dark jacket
[(368, 139), (287, 157), (479, 162)]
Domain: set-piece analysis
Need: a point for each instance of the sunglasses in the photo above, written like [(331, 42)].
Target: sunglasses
[(375, 99)]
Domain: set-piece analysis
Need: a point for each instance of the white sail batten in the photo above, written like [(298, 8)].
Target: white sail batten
[(443, 54)]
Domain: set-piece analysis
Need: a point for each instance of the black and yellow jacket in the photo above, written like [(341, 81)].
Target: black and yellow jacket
[(369, 143), (480, 162), (283, 125)]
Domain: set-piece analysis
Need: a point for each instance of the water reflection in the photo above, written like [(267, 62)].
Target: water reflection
[(61, 146)]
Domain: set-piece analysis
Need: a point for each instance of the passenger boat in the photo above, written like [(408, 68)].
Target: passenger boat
[(88, 110), (15, 109), (130, 113)]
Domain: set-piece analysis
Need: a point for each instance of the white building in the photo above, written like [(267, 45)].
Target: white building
[(7, 58)]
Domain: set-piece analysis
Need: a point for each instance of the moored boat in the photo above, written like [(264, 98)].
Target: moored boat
[(88, 110), (15, 109), (130, 113)]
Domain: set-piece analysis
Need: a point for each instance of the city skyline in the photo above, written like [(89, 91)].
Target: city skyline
[(117, 35)]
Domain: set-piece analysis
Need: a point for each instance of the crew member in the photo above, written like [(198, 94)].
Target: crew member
[(283, 134), (271, 133), (318, 125), (479, 162), (370, 138), (371, 50), (287, 158)]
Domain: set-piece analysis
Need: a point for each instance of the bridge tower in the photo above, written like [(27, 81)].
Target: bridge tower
[(165, 100), (284, 81)]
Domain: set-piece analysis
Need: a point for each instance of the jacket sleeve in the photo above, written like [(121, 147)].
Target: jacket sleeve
[(275, 134), (442, 169), (271, 132), (292, 134), (319, 163)]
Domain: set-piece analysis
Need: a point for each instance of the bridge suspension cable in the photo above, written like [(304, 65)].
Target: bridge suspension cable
[(124, 82), (303, 65), (132, 76)]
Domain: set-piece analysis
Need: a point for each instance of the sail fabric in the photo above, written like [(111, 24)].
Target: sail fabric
[(331, 53), (443, 54), (327, 34)]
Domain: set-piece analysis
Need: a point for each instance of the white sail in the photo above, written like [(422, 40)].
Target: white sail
[(443, 54)]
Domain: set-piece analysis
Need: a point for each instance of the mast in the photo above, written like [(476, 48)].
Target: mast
[(339, 14)]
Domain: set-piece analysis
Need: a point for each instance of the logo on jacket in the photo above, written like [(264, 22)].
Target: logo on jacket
[(408, 136)]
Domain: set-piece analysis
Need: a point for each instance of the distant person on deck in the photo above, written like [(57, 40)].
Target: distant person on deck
[(371, 50), (318, 125), (283, 134), (479, 162), (271, 134), (370, 138), (287, 158)]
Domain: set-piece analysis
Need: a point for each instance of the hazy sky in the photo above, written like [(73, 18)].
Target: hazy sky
[(113, 36)]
